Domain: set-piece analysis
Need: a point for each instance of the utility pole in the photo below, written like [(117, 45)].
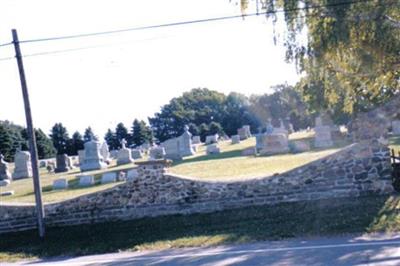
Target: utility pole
[(32, 138)]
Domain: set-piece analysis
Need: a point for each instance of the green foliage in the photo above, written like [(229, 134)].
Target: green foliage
[(60, 138), (6, 143), (111, 140), (75, 144), (88, 135), (121, 132), (141, 133), (201, 106), (350, 55), (285, 104), (44, 145)]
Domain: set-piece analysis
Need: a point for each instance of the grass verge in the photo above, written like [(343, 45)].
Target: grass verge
[(285, 220)]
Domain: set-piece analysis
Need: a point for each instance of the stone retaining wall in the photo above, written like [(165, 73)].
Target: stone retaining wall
[(355, 171)]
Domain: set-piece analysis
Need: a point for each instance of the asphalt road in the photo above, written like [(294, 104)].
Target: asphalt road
[(351, 250)]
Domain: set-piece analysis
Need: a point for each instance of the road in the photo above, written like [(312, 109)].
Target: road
[(369, 250)]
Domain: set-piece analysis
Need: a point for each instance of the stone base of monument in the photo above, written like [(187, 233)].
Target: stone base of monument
[(109, 178), (251, 151), (86, 180), (275, 144), (60, 184), (213, 149), (90, 165), (300, 146)]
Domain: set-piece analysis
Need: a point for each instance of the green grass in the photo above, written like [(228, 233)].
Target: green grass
[(24, 188), (286, 220), (230, 165)]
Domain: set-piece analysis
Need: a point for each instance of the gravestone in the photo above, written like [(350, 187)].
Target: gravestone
[(61, 183), (124, 154), (43, 164), (235, 139), (300, 146), (212, 139), (172, 149), (86, 180), (81, 156), (157, 153), (4, 170), (275, 144), (244, 132), (196, 140), (323, 133), (92, 158), (23, 168), (105, 153), (185, 143), (396, 127), (109, 178), (62, 164), (250, 151), (281, 129), (136, 154), (213, 149)]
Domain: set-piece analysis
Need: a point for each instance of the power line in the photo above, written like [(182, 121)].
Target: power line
[(6, 44), (190, 22)]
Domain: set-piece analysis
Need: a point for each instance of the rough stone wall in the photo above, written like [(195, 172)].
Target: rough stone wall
[(357, 170)]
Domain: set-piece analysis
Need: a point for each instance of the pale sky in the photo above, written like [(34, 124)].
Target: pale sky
[(130, 75)]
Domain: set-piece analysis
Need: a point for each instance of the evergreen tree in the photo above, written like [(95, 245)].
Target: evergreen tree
[(203, 131), (215, 128), (6, 143), (59, 136), (44, 145), (121, 132), (77, 143), (88, 135), (111, 140), (141, 133)]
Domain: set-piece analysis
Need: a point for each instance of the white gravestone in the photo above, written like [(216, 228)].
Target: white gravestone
[(86, 180), (275, 144), (124, 154), (93, 159), (23, 168), (196, 140), (136, 154), (81, 156), (235, 139), (212, 139), (109, 178), (104, 152), (157, 153), (213, 149), (61, 183)]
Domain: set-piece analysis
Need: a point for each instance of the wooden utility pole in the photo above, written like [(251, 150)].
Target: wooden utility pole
[(32, 138)]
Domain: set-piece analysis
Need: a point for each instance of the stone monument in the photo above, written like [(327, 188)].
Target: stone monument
[(185, 144), (157, 153), (23, 167), (105, 153), (124, 154), (213, 149), (212, 139), (136, 154), (244, 132), (62, 163), (275, 144), (235, 139), (4, 172), (196, 140), (323, 135), (92, 158)]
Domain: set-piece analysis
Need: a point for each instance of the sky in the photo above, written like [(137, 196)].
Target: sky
[(101, 81)]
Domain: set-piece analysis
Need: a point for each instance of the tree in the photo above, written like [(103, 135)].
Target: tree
[(6, 143), (121, 132), (350, 57), (141, 133), (111, 140), (88, 135), (75, 144), (44, 145), (59, 136), (215, 128)]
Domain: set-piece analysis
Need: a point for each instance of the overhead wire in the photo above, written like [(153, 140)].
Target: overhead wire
[(169, 25)]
